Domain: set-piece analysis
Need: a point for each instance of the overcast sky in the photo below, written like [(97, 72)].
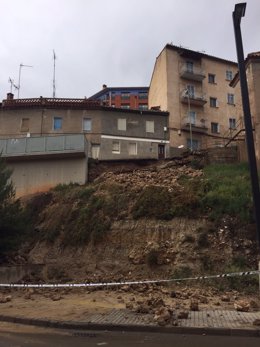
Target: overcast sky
[(113, 42)]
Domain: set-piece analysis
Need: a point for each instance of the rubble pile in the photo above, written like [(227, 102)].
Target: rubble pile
[(163, 175)]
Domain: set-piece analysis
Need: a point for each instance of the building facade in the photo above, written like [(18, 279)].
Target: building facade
[(123, 97), (253, 80), (194, 88), (112, 133)]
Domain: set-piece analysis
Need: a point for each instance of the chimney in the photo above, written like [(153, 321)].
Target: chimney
[(104, 86), (10, 96)]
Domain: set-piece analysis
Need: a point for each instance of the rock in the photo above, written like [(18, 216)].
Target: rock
[(5, 299), (56, 298), (129, 305), (183, 315), (162, 316), (256, 322), (143, 308), (194, 305), (254, 304), (173, 294), (242, 306), (225, 298)]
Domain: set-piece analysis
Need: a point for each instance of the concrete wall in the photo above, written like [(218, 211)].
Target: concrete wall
[(40, 163), (40, 175)]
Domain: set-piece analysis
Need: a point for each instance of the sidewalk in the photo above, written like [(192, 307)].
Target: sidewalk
[(208, 322)]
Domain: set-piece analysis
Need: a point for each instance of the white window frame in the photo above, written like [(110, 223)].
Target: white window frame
[(129, 147), (25, 124), (230, 99), (215, 124), (229, 75), (189, 66), (87, 120), (121, 124), (116, 146), (191, 90), (232, 123), (191, 117), (149, 126), (211, 78), (211, 99)]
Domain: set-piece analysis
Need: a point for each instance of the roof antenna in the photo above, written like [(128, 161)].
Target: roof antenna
[(12, 85), (19, 79), (54, 71)]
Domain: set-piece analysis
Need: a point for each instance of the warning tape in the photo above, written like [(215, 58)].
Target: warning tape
[(110, 284)]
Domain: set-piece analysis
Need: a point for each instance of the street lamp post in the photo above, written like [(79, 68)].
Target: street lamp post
[(238, 13)]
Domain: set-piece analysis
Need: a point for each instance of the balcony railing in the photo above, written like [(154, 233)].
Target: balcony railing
[(193, 98), (195, 74), (198, 126)]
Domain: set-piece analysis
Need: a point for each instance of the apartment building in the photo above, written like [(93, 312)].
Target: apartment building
[(123, 97), (112, 133), (194, 88), (253, 80)]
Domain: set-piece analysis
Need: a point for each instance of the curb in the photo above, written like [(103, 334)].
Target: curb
[(131, 328)]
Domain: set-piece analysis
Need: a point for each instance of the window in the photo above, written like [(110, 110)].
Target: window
[(194, 144), (213, 102), (232, 123), (211, 78), (115, 147), (25, 124), (192, 117), (142, 95), (143, 107), (190, 91), (87, 124), (229, 75), (121, 124), (57, 123), (230, 99), (132, 148), (149, 126), (125, 106), (215, 128), (125, 95), (189, 66)]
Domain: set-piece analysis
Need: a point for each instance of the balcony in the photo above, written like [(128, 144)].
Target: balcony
[(195, 99), (196, 127), (195, 74)]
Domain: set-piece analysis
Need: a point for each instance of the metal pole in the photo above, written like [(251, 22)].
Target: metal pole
[(19, 80), (237, 14), (191, 144)]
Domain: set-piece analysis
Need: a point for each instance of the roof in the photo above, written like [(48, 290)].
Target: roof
[(249, 58), (115, 89), (79, 104), (196, 54)]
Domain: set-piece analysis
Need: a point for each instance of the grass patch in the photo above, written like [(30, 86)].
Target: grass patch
[(228, 191)]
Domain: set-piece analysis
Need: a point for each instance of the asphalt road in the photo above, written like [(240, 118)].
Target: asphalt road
[(12, 335)]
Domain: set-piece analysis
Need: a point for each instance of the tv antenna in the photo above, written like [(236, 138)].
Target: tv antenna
[(54, 77), (12, 85), (19, 79)]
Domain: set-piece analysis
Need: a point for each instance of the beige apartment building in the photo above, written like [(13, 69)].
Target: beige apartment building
[(253, 79), (194, 88)]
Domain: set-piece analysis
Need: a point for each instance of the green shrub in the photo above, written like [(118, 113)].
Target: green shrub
[(155, 202), (228, 191)]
